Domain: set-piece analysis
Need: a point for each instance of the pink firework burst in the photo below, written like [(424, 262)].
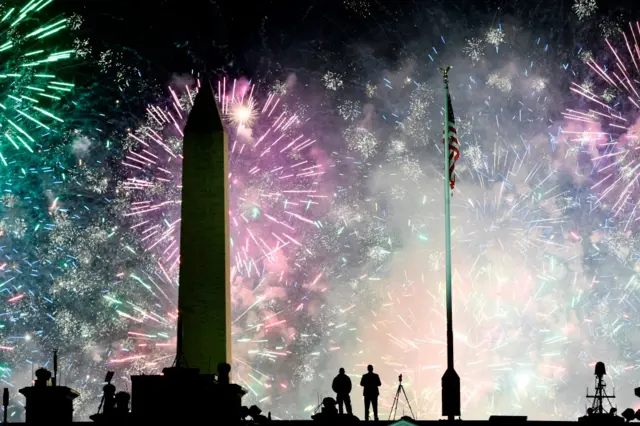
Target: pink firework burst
[(606, 123), (274, 180), (154, 186), (277, 195)]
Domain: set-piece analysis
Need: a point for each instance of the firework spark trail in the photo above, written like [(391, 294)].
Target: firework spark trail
[(279, 192), (36, 97), (608, 125), (274, 199), (494, 235), (156, 186), (535, 292)]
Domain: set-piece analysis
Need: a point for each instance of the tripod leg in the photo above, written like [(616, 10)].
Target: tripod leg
[(394, 405), (408, 404), (395, 410)]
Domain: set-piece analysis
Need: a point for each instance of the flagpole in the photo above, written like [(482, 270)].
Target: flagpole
[(450, 379)]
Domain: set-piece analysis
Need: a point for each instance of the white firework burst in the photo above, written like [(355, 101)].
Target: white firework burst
[(495, 36), (474, 49), (499, 82), (584, 8), (332, 81)]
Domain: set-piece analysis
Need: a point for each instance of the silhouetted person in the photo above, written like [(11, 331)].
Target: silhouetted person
[(224, 370), (328, 412), (256, 415), (228, 396), (370, 382), (342, 387), (109, 398), (42, 378)]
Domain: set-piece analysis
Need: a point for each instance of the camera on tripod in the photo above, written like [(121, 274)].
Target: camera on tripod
[(394, 405)]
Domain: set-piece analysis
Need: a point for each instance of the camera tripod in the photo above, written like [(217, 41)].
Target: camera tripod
[(394, 406)]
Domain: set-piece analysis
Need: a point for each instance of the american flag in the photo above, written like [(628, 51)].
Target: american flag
[(454, 145)]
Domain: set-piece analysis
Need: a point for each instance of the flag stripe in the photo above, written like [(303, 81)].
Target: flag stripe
[(454, 144)]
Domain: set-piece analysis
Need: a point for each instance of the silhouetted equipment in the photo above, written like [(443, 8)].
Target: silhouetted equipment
[(601, 393), (54, 381), (204, 301), (257, 416), (328, 413), (5, 404), (629, 414), (508, 419), (597, 413), (394, 405), (122, 402), (115, 406), (108, 400), (108, 394), (46, 402)]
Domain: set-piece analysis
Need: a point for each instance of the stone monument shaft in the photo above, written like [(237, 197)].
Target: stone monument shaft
[(204, 296)]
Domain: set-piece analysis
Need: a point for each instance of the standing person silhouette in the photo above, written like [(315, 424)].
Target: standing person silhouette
[(342, 387), (370, 382)]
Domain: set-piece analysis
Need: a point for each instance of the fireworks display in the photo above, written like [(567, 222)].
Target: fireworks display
[(37, 118), (535, 247), (606, 126), (154, 157), (336, 212), (276, 191)]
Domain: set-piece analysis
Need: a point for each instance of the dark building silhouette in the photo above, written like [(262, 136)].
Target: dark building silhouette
[(158, 398), (184, 395)]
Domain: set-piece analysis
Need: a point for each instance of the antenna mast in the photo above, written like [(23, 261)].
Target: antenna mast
[(600, 394)]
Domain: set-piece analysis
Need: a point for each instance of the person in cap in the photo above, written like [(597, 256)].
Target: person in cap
[(342, 387)]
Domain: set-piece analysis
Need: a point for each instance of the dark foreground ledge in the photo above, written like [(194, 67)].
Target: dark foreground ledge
[(381, 423)]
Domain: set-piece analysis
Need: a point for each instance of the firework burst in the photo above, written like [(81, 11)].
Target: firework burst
[(605, 125), (36, 114), (522, 292), (154, 155), (276, 196)]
